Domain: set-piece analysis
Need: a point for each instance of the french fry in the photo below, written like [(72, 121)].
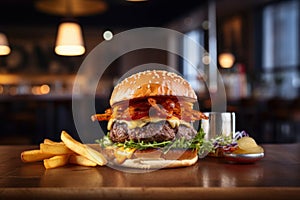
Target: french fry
[(57, 154), (56, 161), (34, 155), (48, 141), (80, 160), (82, 149), (55, 149), (122, 154)]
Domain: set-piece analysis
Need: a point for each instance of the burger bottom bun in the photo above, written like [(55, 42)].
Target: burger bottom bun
[(145, 163), (155, 159)]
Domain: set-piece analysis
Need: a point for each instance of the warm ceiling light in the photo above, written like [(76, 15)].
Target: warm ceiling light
[(79, 7), (226, 60), (69, 40), (4, 47)]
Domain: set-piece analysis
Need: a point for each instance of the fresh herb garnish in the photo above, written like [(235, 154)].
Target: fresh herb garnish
[(198, 143), (227, 141)]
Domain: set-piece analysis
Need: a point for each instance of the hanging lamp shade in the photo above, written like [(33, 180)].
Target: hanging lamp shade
[(69, 39), (4, 47)]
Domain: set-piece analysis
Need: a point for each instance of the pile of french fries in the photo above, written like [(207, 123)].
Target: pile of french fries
[(57, 154)]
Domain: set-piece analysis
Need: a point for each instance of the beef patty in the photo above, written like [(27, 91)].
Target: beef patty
[(159, 132)]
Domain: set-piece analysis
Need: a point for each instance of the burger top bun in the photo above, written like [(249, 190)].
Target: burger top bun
[(152, 83)]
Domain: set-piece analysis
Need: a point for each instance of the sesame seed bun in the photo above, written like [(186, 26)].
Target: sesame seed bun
[(152, 83)]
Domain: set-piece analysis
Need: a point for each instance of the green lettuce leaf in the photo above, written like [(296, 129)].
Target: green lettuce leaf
[(197, 143)]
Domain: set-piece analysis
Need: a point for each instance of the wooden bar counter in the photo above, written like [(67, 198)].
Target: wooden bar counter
[(276, 176)]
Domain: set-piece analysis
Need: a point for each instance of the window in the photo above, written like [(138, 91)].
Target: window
[(281, 35), (281, 49), (192, 55)]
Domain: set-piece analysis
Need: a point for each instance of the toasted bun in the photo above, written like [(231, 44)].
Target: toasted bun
[(143, 163), (155, 159), (152, 83)]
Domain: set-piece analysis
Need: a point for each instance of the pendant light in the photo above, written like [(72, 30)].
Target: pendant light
[(69, 39), (4, 47), (226, 59)]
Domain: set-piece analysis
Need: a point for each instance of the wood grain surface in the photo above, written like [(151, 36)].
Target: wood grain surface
[(277, 174)]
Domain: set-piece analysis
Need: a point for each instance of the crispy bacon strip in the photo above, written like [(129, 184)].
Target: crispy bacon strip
[(165, 109), (197, 115), (102, 117), (162, 111)]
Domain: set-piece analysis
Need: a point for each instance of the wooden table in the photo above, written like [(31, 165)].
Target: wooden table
[(276, 176)]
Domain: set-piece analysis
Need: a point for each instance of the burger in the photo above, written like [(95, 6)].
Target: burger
[(151, 122)]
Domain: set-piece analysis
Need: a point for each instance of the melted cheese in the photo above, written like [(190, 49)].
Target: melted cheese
[(173, 121)]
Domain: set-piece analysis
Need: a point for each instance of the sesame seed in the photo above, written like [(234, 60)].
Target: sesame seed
[(170, 74), (156, 74)]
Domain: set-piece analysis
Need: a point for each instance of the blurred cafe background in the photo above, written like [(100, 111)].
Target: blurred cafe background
[(256, 43)]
